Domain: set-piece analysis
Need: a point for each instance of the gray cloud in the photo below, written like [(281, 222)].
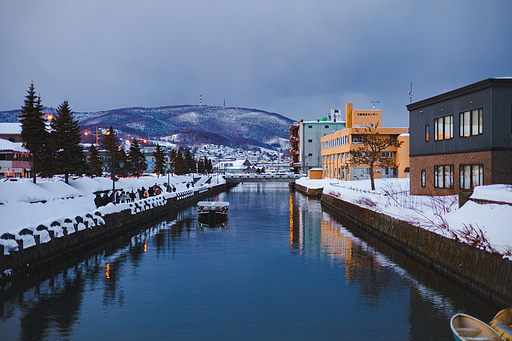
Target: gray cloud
[(298, 58)]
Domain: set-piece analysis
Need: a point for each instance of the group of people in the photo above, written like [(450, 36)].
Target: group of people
[(104, 197)]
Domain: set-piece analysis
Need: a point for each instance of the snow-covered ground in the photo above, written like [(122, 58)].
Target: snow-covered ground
[(25, 205), (487, 226)]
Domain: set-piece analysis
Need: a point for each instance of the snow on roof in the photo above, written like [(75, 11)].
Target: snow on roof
[(10, 128), (496, 193), (14, 146)]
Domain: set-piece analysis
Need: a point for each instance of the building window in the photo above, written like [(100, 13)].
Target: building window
[(471, 123), (427, 133), (326, 127), (423, 178), (443, 176), (310, 140), (386, 155), (310, 154), (443, 127), (471, 176)]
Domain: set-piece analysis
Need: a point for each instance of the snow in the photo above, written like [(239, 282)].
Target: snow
[(489, 223), (24, 206)]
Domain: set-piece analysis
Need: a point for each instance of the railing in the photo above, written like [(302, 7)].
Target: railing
[(262, 177)]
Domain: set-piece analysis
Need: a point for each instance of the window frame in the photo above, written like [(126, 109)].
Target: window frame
[(444, 176)]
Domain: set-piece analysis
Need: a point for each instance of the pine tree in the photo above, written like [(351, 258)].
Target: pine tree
[(181, 167), (201, 166), (111, 146), (122, 163), (190, 164), (95, 162), (173, 155), (33, 131), (136, 160), (159, 156), (209, 166), (66, 137)]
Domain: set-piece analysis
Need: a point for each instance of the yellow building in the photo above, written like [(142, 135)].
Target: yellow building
[(336, 148)]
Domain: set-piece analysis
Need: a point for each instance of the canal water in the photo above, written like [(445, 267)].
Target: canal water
[(282, 268)]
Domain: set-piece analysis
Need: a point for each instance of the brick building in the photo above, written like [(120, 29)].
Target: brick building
[(462, 138)]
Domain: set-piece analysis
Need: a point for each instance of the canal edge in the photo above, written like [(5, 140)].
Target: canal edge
[(486, 274)]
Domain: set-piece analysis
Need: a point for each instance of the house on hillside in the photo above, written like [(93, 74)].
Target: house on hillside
[(234, 166), (462, 138)]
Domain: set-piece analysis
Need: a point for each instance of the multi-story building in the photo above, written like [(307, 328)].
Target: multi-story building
[(336, 147), (305, 140), (462, 138), (14, 160)]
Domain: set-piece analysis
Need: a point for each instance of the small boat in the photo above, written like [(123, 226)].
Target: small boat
[(502, 323), (212, 212), (468, 328)]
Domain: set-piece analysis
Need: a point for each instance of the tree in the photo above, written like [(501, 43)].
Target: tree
[(181, 167), (136, 160), (172, 158), (190, 164), (69, 156), (95, 162), (201, 166), (369, 152), (35, 137), (159, 156), (111, 146), (208, 167)]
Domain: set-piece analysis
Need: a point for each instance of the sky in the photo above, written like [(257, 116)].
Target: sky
[(297, 58)]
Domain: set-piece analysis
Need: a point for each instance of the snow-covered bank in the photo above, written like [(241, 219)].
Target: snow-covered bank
[(489, 225), (25, 205)]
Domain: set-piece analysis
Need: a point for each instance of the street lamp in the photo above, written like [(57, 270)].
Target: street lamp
[(87, 132)]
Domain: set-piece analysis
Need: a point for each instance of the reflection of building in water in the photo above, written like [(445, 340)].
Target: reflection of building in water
[(316, 233), (335, 243)]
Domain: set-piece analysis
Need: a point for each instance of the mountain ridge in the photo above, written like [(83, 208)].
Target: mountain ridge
[(234, 124)]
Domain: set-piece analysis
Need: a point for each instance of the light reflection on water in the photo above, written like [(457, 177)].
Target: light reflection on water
[(282, 268)]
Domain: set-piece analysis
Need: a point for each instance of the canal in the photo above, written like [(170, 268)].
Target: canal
[(282, 268)]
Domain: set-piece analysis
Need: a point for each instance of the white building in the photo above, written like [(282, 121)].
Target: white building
[(309, 134)]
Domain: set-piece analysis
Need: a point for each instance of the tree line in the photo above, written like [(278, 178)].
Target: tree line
[(55, 147)]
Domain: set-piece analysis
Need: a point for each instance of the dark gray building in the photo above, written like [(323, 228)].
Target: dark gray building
[(462, 138)]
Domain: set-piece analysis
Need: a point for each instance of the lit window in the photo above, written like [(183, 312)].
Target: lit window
[(471, 123), (427, 133), (443, 176), (471, 176)]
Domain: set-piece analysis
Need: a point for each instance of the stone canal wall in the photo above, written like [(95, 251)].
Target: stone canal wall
[(94, 229), (486, 274)]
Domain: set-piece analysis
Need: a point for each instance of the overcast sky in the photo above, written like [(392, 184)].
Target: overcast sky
[(297, 58)]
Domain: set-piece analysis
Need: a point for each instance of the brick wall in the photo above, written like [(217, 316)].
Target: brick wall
[(428, 162)]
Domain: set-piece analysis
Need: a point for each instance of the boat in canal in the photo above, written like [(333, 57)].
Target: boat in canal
[(469, 328), (502, 323), (212, 212)]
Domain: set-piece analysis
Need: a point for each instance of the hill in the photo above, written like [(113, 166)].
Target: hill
[(203, 124)]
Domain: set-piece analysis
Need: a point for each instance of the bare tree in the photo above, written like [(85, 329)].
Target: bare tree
[(369, 152)]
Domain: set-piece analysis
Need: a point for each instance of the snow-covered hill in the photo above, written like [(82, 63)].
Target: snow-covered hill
[(234, 124)]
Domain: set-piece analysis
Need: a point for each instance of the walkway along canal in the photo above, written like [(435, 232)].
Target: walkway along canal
[(96, 229), (488, 275)]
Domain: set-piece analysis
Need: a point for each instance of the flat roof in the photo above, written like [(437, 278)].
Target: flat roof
[(10, 128), (486, 83)]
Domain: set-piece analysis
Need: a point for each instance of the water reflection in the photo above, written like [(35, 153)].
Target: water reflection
[(284, 268)]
